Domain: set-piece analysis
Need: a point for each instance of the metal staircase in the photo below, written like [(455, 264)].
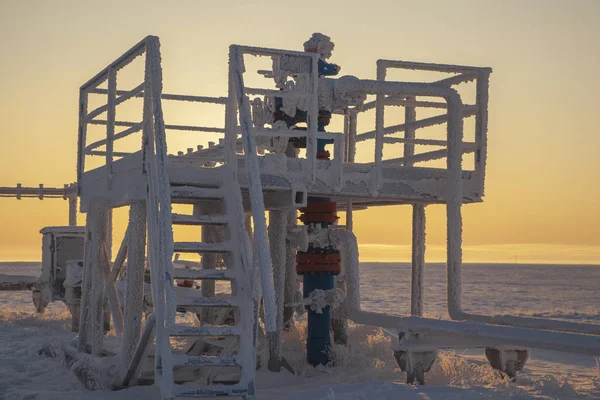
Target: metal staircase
[(150, 181), (225, 199)]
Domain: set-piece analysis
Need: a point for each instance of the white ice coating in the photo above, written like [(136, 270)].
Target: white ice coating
[(340, 93), (418, 260), (134, 293), (291, 283), (321, 44), (318, 299), (261, 241), (99, 215), (74, 275), (277, 243), (290, 104), (86, 291), (160, 234), (346, 243), (262, 112), (332, 94)]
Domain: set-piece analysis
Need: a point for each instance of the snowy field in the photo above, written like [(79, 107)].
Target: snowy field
[(366, 369)]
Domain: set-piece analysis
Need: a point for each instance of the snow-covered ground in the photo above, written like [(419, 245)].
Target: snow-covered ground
[(366, 369)]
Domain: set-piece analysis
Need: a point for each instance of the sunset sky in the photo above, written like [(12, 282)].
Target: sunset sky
[(542, 198)]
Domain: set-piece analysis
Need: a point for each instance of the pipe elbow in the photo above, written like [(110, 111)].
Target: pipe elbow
[(346, 242), (452, 97), (342, 237), (456, 314)]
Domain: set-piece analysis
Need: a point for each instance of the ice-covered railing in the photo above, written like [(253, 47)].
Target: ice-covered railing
[(294, 81), (239, 103), (119, 97), (154, 159), (383, 134)]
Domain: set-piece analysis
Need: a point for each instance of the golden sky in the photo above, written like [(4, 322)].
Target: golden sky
[(542, 193)]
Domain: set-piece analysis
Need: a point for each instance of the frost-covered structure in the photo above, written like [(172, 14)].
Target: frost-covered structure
[(60, 278), (274, 155)]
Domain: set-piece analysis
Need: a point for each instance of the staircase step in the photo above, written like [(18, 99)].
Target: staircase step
[(183, 219), (207, 391), (184, 360), (191, 192), (201, 247), (189, 301), (207, 330), (217, 274)]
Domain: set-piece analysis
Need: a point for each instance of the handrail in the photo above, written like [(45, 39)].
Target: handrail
[(158, 198), (133, 129), (479, 110), (123, 97), (119, 63), (431, 66), (169, 127), (454, 193), (167, 96), (422, 157), (237, 97), (467, 111), (116, 97), (154, 169)]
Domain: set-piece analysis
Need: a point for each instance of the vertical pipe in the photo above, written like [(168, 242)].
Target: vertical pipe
[(481, 126), (418, 260), (81, 135), (277, 238), (349, 216), (340, 158), (379, 125), (347, 134), (318, 265), (99, 215), (231, 122), (454, 190), (86, 289), (73, 210), (318, 341), (134, 294), (352, 122), (410, 116), (110, 122), (418, 228), (291, 284)]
